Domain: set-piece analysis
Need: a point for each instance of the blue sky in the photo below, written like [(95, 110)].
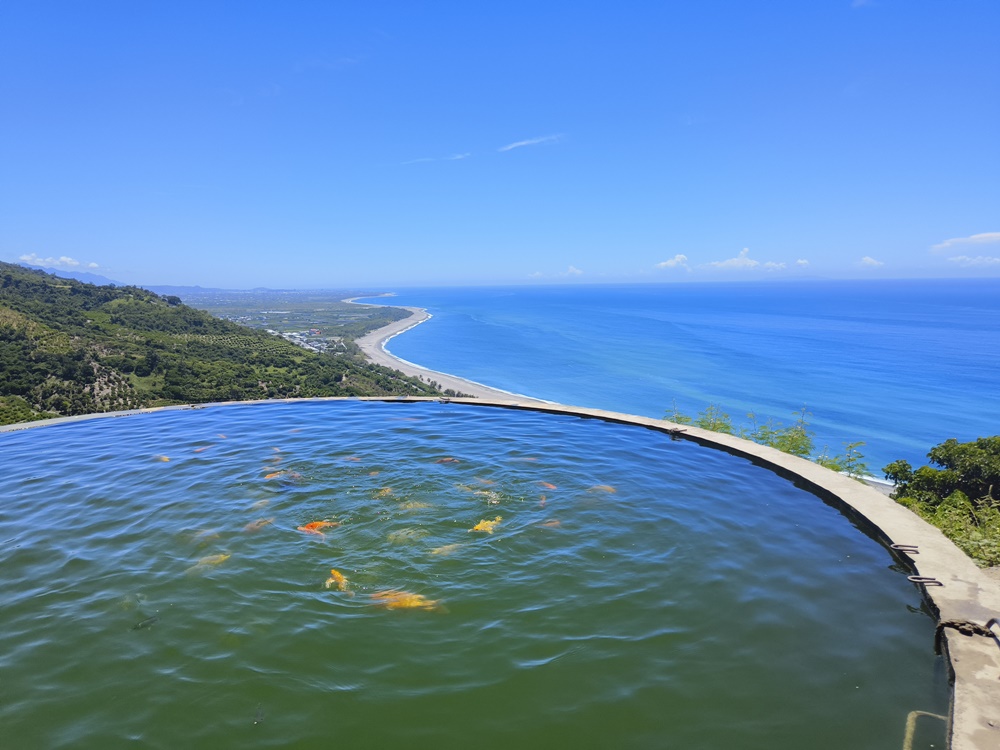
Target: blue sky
[(334, 144)]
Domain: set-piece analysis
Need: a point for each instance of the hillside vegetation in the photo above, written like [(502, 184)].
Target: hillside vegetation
[(70, 348)]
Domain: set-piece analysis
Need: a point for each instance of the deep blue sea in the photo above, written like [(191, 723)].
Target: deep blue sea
[(901, 365)]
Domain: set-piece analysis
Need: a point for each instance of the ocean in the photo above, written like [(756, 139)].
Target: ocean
[(899, 365)]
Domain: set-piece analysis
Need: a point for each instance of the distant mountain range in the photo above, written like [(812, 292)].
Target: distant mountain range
[(86, 278)]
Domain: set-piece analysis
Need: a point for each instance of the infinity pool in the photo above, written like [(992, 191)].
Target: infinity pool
[(366, 575)]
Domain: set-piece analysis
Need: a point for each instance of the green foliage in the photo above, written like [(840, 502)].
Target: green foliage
[(714, 419), (70, 348), (972, 469), (676, 417), (959, 497), (851, 462), (795, 438)]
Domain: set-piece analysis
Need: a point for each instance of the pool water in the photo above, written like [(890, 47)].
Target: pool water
[(634, 591)]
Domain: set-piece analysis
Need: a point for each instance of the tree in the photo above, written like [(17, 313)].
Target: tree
[(960, 497), (972, 469)]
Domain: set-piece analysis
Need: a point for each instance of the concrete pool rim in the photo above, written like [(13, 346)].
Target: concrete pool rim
[(960, 593)]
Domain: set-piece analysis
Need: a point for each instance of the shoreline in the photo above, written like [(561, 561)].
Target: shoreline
[(373, 347)]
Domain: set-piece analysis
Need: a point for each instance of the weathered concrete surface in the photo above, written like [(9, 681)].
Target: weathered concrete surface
[(955, 586)]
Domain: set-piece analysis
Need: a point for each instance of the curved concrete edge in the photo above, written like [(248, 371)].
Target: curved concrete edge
[(954, 586)]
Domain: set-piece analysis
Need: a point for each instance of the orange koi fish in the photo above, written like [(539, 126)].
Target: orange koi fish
[(603, 488), (352, 458), (336, 577), (392, 599), (314, 527), (255, 526), (203, 448), (274, 474), (553, 524), (487, 526), (548, 485), (373, 473), (448, 460)]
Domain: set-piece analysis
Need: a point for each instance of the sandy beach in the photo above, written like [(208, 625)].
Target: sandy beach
[(373, 347)]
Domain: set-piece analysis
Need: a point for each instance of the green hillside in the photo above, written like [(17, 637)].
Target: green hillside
[(70, 348)]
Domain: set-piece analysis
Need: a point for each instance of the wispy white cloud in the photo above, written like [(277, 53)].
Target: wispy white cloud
[(63, 261), (536, 275), (986, 238), (572, 271), (980, 261), (425, 159), (741, 262), (531, 142), (678, 261), (802, 263), (772, 266), (870, 262)]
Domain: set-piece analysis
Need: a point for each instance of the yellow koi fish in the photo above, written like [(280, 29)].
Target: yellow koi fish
[(384, 492), (214, 559), (414, 505), (203, 564), (603, 488), (487, 526), (445, 550), (336, 577), (162, 458), (392, 599)]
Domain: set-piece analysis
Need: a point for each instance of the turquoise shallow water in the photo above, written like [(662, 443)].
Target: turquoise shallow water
[(636, 592)]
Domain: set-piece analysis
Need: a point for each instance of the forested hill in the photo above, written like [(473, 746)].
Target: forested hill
[(71, 348)]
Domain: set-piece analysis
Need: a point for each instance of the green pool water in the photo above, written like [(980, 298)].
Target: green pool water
[(636, 592)]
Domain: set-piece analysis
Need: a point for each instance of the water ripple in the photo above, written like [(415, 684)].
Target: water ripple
[(630, 586)]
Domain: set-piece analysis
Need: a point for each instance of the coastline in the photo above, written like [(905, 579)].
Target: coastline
[(373, 347)]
